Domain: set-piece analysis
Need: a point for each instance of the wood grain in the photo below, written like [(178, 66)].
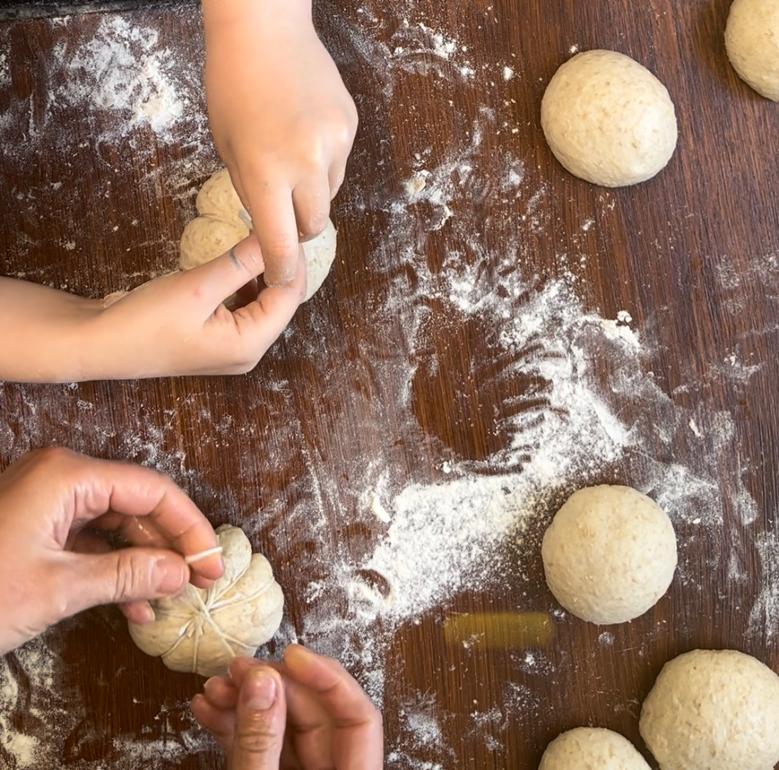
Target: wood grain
[(95, 211)]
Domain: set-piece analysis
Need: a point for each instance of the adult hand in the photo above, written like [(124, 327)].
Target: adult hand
[(53, 562), (281, 117), (306, 713)]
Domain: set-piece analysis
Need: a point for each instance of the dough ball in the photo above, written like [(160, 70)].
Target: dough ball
[(608, 119), (205, 238), (591, 748), (713, 710), (217, 198), (752, 42), (609, 554), (202, 630), (223, 222), (320, 254)]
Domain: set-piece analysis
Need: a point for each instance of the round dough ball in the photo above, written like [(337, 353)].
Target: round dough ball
[(202, 630), (609, 554), (752, 42), (223, 222), (591, 748), (608, 119), (713, 710), (205, 238)]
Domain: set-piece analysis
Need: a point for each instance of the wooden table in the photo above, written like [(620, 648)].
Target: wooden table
[(418, 364)]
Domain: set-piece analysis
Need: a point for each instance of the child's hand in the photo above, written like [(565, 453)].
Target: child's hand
[(306, 712), (174, 325), (281, 117), (53, 561), (178, 324)]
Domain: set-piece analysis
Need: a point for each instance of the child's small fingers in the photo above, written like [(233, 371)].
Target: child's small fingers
[(219, 279), (336, 176), (273, 216), (260, 323), (311, 199)]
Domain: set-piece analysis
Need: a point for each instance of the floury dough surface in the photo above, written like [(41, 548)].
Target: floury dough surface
[(222, 222), (608, 119), (713, 710), (752, 42), (203, 630), (591, 748), (609, 554)]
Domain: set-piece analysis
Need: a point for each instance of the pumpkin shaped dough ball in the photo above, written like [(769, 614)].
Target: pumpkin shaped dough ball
[(202, 630), (222, 222)]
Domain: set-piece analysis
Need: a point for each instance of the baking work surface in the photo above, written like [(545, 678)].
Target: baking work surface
[(494, 335)]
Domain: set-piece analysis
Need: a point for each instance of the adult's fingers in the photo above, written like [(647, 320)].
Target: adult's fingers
[(99, 486), (260, 721), (139, 611), (273, 217), (311, 199), (140, 531), (358, 741), (116, 577), (339, 691), (219, 722), (220, 692)]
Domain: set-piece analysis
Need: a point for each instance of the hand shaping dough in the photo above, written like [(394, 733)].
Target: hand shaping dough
[(203, 630), (609, 554), (608, 119), (752, 42), (591, 748), (222, 222), (713, 710)]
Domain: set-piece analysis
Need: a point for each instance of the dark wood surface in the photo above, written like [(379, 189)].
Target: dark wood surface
[(692, 255)]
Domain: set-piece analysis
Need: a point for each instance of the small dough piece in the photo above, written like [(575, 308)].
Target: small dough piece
[(205, 235), (713, 710), (222, 222), (609, 554), (752, 42), (608, 119), (591, 748), (202, 630)]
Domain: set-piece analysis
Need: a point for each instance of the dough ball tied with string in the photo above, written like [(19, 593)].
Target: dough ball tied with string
[(202, 630)]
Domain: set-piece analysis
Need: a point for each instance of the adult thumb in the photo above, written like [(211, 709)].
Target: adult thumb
[(125, 575), (261, 715)]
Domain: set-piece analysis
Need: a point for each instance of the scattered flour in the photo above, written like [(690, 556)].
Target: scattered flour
[(764, 619), (124, 70), (578, 402)]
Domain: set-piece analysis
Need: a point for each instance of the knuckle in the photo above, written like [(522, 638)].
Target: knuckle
[(52, 455), (130, 574), (258, 737), (280, 247), (313, 223)]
